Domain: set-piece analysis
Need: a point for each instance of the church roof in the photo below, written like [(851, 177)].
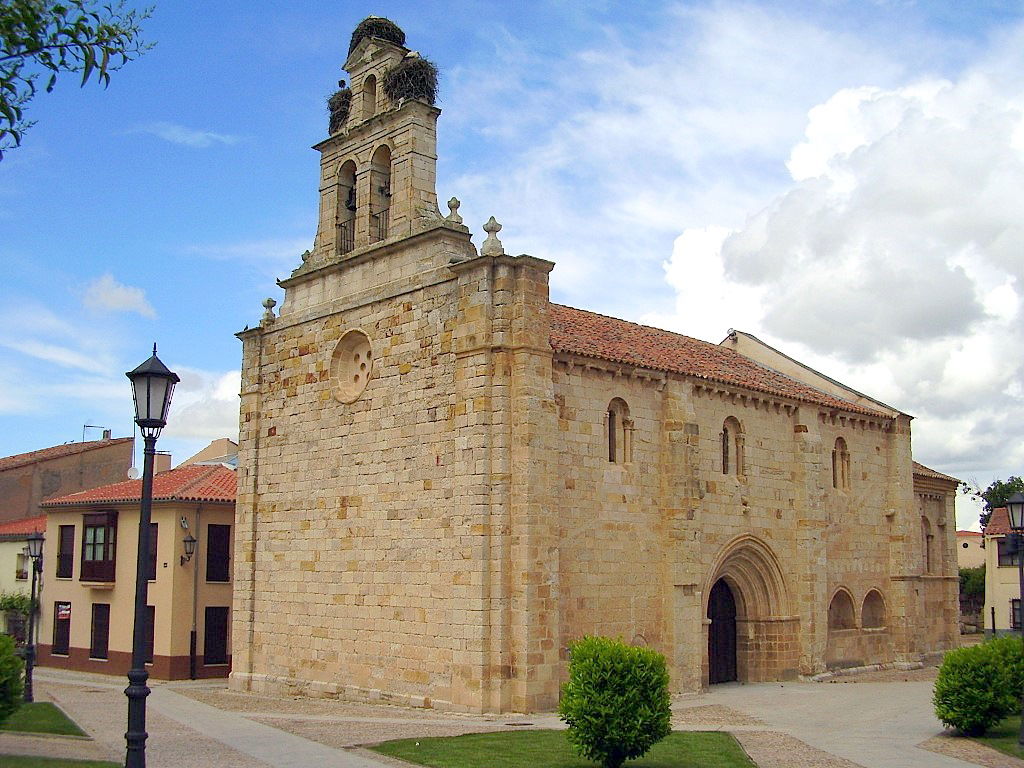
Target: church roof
[(592, 335), (921, 469), (194, 483)]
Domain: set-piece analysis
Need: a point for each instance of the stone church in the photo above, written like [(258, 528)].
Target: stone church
[(444, 477)]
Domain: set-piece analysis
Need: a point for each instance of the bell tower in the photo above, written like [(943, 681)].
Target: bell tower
[(377, 168)]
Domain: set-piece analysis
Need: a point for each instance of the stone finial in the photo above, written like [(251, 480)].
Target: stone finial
[(268, 313), (305, 256), (492, 245), (453, 206)]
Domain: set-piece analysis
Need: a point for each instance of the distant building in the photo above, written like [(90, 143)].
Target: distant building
[(28, 478), (14, 567), (970, 549), (88, 601), (1002, 579), (221, 451)]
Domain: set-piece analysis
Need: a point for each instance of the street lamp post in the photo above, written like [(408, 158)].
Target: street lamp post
[(152, 386), (1015, 510), (34, 549)]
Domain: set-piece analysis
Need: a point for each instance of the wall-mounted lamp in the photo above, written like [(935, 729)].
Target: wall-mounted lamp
[(190, 548)]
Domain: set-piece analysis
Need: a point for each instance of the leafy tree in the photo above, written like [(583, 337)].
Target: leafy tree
[(47, 37), (972, 581), (995, 495)]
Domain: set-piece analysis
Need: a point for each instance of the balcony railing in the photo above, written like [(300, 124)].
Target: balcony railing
[(97, 570), (379, 226), (346, 236)]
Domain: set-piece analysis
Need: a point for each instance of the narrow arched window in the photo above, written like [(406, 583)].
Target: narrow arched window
[(380, 194), (369, 97), (840, 611), (872, 615), (346, 209), (619, 430), (927, 545), (840, 465), (732, 447)]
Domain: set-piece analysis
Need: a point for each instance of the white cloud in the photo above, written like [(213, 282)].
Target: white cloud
[(205, 405), (107, 294), (894, 259), (187, 137)]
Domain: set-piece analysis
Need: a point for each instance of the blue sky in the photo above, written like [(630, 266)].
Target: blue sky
[(843, 179)]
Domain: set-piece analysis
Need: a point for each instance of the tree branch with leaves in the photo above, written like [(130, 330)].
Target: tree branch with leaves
[(995, 495), (43, 38)]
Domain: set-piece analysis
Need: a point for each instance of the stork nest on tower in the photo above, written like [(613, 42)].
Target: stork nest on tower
[(376, 26), (413, 78), (339, 105)]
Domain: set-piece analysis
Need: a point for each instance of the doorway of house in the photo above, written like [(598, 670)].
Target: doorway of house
[(721, 634)]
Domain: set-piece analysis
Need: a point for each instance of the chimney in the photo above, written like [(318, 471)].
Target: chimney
[(161, 462), (106, 434)]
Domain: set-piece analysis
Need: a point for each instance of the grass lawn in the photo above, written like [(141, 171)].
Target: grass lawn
[(550, 749), (10, 761), (1004, 737), (41, 717)]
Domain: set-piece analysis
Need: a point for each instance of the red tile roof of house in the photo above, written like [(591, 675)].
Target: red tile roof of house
[(15, 529), (592, 335), (998, 523), (56, 452), (921, 469), (195, 483), (969, 533)]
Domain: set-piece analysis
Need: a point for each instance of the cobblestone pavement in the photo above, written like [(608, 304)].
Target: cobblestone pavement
[(873, 720)]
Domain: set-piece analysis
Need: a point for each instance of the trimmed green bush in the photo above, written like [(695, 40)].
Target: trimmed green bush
[(1009, 655), (11, 686), (973, 691), (616, 700)]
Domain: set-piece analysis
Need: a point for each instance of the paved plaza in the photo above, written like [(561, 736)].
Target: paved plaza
[(872, 721)]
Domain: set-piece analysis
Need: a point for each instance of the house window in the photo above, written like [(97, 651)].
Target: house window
[(66, 552), (21, 566), (215, 635), (1015, 614), (99, 544), (151, 563), (732, 447), (840, 465), (619, 431), (61, 627), (1008, 554), (218, 552), (100, 636)]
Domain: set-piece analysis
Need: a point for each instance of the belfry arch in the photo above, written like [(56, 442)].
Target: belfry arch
[(766, 642)]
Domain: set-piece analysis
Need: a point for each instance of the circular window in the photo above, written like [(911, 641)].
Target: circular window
[(352, 365), (965, 545)]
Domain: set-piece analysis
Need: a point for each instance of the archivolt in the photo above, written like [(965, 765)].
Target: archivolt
[(752, 571)]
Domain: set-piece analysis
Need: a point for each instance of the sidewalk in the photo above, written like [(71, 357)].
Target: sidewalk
[(182, 732)]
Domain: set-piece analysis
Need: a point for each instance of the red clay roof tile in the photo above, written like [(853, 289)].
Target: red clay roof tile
[(998, 523), (592, 335), (56, 452), (26, 526), (197, 482), (921, 469)]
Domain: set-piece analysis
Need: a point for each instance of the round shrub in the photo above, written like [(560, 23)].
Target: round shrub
[(616, 700), (1009, 656), (376, 26), (11, 686), (972, 690)]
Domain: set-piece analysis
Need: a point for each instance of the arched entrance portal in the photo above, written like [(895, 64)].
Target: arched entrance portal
[(721, 634), (753, 634)]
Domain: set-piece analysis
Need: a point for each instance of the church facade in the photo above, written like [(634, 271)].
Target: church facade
[(444, 477)]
